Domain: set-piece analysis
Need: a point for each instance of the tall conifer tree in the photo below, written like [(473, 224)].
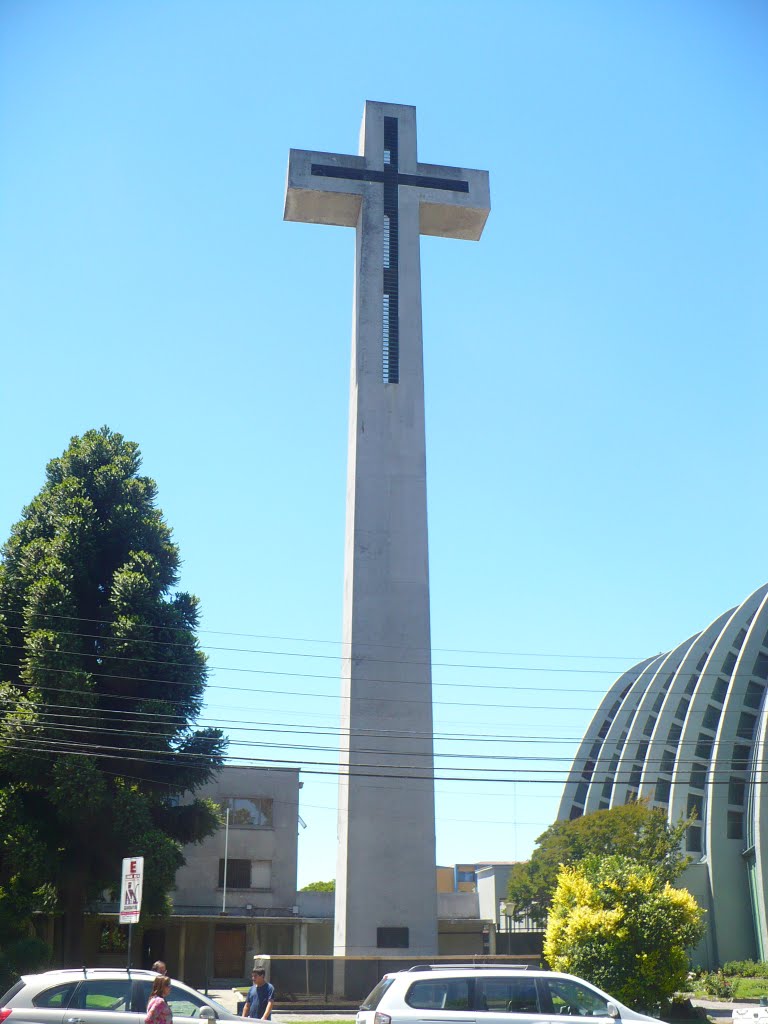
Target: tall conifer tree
[(101, 683)]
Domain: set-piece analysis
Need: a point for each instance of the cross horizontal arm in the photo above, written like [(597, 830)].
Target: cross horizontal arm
[(459, 211), (324, 199)]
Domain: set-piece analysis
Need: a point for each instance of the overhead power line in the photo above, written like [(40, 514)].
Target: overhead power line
[(54, 718), (342, 643), (290, 693), (363, 770), (335, 675)]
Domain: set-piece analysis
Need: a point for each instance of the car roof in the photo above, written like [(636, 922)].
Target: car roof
[(97, 970), (436, 969), (69, 973)]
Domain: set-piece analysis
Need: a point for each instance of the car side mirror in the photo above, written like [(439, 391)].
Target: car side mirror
[(613, 1011), (207, 1013)]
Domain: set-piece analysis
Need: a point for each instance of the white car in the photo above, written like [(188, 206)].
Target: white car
[(100, 995), (487, 994)]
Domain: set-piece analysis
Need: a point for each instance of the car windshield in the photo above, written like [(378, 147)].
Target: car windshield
[(217, 1005), (373, 1000)]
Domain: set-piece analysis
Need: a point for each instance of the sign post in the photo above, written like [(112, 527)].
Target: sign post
[(130, 895)]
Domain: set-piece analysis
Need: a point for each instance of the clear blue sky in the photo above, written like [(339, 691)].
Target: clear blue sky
[(596, 365)]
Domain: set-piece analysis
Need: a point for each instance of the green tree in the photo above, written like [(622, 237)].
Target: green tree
[(101, 683), (634, 829), (619, 924), (320, 886)]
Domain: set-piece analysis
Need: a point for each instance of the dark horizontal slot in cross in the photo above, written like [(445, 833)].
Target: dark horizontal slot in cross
[(363, 174)]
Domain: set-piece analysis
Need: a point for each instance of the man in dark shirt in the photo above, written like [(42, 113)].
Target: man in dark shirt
[(260, 998)]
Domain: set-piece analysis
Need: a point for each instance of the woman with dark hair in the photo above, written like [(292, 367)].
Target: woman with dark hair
[(158, 1010)]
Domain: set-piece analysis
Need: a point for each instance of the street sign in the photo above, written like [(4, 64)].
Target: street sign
[(130, 890)]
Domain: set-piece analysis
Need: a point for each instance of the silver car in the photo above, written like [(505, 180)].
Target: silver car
[(100, 996), (490, 994)]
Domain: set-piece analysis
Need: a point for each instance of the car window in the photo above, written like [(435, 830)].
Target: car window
[(183, 1003), (372, 1001), (103, 994), (58, 996), (572, 999), (507, 995), (141, 994), (439, 994)]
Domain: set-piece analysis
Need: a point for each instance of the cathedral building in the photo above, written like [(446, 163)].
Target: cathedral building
[(687, 731)]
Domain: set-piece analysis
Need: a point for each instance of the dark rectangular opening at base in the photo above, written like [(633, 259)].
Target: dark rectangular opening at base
[(392, 938)]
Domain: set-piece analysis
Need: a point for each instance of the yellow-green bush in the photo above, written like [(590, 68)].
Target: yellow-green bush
[(614, 922)]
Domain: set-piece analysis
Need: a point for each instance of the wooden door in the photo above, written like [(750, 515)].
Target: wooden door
[(229, 951)]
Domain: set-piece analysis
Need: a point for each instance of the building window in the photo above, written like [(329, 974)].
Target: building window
[(761, 666), (704, 747), (698, 776), (746, 726), (735, 825), (730, 661), (740, 759), (238, 874), (246, 874), (662, 791), (667, 762), (649, 724), (711, 718), (248, 812), (753, 698), (682, 708), (736, 792), (392, 938), (673, 737), (693, 839), (695, 803), (719, 690)]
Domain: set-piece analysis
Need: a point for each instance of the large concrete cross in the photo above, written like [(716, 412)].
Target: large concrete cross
[(386, 873)]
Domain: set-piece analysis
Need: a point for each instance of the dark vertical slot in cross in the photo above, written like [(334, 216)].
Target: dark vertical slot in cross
[(390, 303)]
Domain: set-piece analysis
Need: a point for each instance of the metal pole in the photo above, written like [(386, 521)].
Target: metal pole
[(226, 853), (130, 943)]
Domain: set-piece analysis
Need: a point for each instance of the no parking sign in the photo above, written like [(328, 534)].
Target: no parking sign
[(130, 890)]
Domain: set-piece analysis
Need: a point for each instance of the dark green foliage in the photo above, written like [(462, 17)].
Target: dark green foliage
[(101, 683), (634, 830), (746, 968)]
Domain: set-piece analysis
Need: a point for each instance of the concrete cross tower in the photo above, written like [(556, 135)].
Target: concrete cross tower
[(386, 879)]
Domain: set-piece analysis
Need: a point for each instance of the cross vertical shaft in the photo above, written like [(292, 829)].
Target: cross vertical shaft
[(386, 875)]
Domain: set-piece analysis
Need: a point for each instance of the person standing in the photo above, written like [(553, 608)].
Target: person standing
[(260, 998), (158, 1010), (159, 967)]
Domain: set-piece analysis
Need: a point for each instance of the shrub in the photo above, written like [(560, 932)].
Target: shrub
[(746, 968), (717, 985), (618, 924)]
